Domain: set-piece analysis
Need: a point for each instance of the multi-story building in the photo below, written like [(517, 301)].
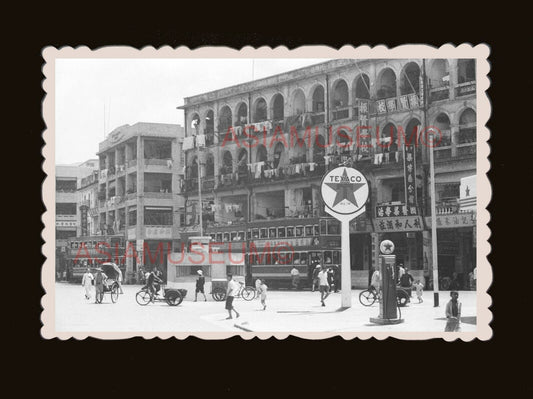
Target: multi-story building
[(138, 191), (68, 217), (262, 189)]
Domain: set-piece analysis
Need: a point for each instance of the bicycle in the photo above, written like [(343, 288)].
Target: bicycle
[(369, 296), (246, 292)]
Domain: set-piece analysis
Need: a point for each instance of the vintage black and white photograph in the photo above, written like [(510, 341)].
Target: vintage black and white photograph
[(313, 192)]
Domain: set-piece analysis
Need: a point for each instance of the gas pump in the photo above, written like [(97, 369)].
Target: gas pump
[(388, 305)]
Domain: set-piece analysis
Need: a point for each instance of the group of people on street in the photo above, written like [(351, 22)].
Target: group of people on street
[(88, 280), (323, 279), (332, 277)]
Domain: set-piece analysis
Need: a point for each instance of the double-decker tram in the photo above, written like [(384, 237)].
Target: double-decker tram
[(273, 247), (92, 251)]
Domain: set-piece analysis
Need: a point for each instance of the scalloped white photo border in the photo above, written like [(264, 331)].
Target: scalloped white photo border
[(483, 110)]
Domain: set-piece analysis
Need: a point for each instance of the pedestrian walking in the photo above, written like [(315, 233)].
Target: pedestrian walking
[(258, 287), (99, 281), (331, 280), (315, 278), (87, 282), (406, 282), (453, 313), (323, 284), (375, 281), (200, 282), (295, 276), (419, 290), (264, 289), (401, 271), (233, 287)]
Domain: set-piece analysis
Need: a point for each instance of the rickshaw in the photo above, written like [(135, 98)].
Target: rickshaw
[(111, 285)]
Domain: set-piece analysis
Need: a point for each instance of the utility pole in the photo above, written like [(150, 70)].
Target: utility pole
[(195, 124)]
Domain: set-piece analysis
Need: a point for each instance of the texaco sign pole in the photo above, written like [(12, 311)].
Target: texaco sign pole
[(345, 192)]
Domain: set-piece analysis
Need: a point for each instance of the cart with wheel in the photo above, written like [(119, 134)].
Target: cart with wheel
[(246, 292), (111, 285), (172, 296)]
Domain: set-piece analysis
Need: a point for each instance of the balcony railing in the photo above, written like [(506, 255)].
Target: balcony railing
[(464, 89), (340, 113), (158, 162), (466, 149), (447, 207), (439, 93)]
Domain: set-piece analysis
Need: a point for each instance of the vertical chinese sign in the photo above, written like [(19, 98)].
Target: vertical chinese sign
[(409, 163), (83, 211)]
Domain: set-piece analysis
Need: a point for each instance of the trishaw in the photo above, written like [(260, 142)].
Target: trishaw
[(111, 285), (171, 296)]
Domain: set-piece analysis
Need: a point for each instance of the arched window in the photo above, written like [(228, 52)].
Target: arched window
[(195, 123), (319, 150), (442, 122), (259, 111), (467, 126), (362, 87), (410, 79), (439, 74), (388, 138), (242, 115), (242, 161), (278, 108), (298, 103), (194, 168), (386, 84), (411, 132), (343, 141), (209, 122), (227, 163), (340, 100), (210, 166), (466, 70), (261, 153), (318, 99), (225, 119), (278, 154)]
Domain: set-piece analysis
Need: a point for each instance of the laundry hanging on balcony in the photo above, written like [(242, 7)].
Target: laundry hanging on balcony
[(188, 143), (200, 140)]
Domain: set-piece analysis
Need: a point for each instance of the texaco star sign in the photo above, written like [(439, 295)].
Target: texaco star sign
[(345, 191)]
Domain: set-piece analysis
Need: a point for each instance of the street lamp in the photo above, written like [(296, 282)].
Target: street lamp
[(194, 125), (433, 223)]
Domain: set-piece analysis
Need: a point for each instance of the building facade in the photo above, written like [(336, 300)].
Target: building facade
[(68, 216), (260, 150), (137, 193)]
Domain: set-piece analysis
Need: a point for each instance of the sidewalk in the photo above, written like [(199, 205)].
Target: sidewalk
[(302, 312)]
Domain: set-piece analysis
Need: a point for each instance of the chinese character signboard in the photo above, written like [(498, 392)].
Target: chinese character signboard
[(83, 211), (385, 211), (409, 164), (398, 224)]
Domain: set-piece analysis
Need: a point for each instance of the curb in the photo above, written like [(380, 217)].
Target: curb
[(242, 328)]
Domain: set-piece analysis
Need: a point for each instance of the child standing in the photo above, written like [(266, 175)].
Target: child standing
[(258, 287), (263, 294), (453, 313), (419, 290)]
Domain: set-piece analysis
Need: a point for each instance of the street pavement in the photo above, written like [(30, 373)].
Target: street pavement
[(287, 311)]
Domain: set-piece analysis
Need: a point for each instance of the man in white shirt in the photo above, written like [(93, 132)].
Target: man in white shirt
[(87, 282), (233, 287), (323, 284), (295, 275)]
